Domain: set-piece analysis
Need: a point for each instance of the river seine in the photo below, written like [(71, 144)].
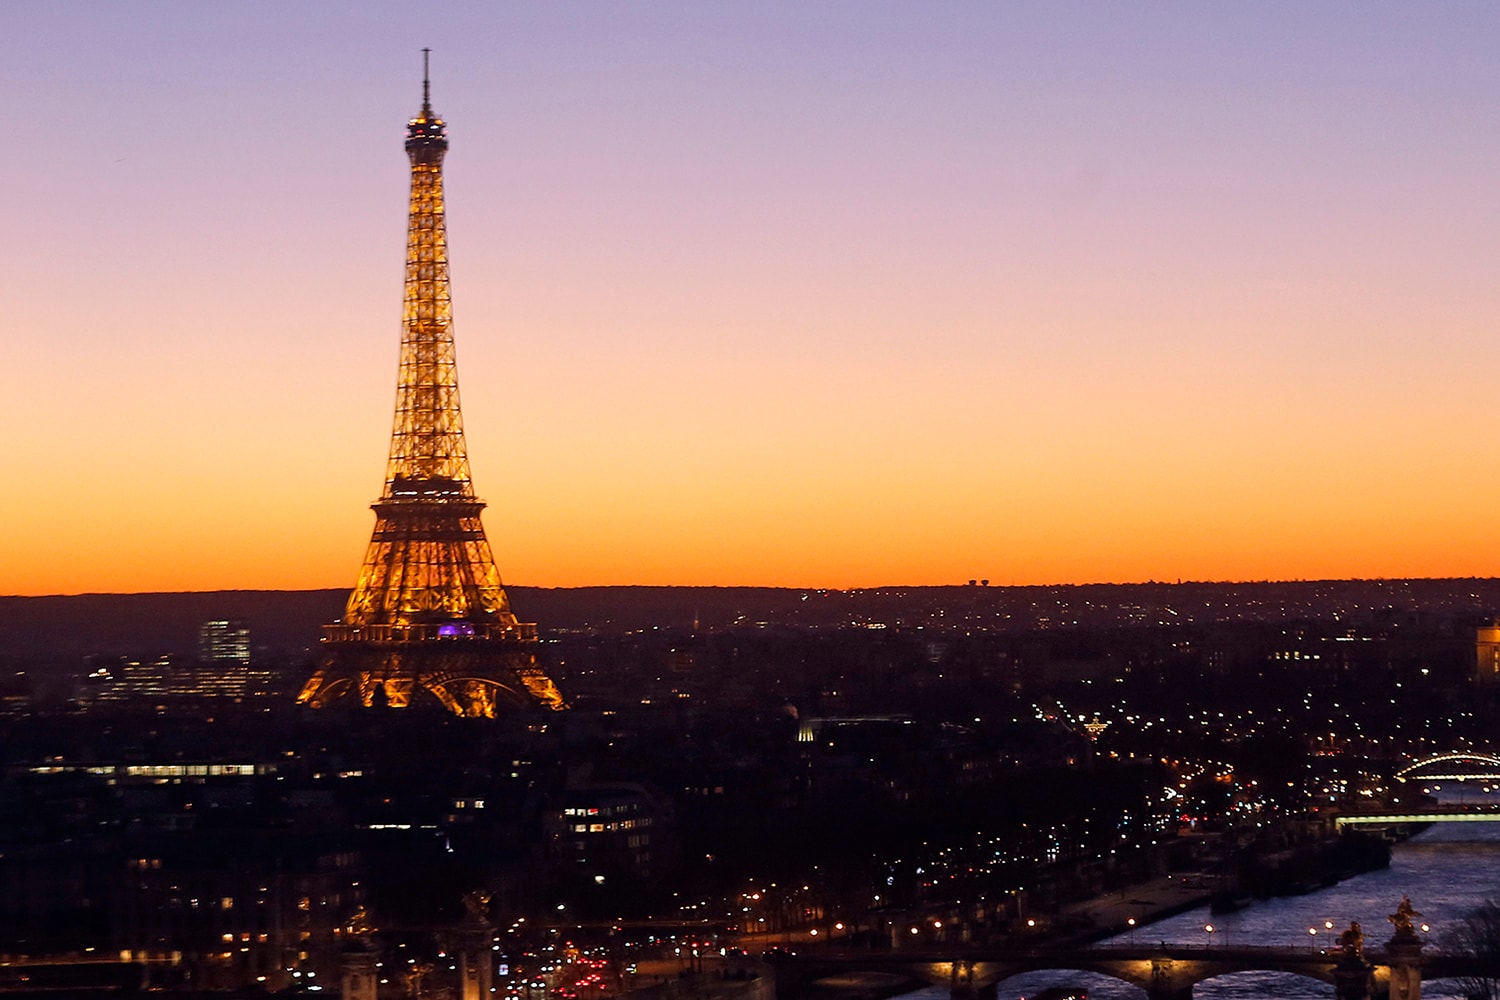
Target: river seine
[(1448, 870)]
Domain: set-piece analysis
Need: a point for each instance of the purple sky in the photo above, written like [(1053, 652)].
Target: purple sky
[(807, 294)]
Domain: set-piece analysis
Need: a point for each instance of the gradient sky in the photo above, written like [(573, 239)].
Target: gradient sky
[(806, 294)]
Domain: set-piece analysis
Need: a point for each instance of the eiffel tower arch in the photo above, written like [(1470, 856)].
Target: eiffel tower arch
[(429, 619)]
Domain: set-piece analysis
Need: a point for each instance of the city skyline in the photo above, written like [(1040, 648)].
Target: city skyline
[(849, 295)]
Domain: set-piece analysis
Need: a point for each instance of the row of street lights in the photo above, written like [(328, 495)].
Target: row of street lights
[(1312, 932)]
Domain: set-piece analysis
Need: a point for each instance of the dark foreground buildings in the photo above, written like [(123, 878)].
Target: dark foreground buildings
[(776, 778)]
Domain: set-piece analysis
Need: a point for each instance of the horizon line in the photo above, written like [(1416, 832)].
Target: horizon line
[(965, 585)]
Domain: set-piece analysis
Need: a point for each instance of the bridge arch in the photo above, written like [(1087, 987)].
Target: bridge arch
[(1017, 980), (1267, 988), (1449, 767), (1025, 984)]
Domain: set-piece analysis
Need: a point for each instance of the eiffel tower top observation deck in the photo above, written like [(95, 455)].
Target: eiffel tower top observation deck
[(429, 606)]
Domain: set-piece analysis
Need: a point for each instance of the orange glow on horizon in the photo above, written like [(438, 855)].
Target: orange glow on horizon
[(1002, 294)]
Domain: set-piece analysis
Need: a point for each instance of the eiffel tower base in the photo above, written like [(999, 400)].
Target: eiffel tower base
[(474, 679)]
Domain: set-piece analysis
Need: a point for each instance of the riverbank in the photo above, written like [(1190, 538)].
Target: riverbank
[(1126, 910), (1293, 870)]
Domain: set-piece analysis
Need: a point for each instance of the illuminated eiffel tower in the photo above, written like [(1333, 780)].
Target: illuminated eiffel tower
[(429, 613)]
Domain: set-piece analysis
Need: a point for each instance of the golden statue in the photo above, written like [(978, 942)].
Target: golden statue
[(1352, 940), (1401, 920), (359, 923), (416, 978), (477, 906)]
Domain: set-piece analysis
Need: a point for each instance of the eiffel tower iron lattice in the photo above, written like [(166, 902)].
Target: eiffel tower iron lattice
[(429, 615)]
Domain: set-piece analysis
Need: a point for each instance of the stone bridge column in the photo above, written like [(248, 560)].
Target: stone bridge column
[(358, 976), (1404, 953), (1165, 982), (974, 979), (961, 979), (476, 963), (1351, 978), (357, 973)]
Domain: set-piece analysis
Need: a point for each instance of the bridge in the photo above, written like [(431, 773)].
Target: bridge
[(1455, 765), (1482, 812), (1165, 972)]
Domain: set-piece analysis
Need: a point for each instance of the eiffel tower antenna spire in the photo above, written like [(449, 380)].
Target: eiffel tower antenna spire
[(429, 613), (426, 86)]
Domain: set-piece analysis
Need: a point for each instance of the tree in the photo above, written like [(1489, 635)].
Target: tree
[(1478, 935)]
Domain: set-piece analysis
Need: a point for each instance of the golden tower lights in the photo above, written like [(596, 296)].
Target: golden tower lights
[(429, 613)]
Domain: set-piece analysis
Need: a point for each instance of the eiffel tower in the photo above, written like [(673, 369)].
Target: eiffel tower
[(429, 616)]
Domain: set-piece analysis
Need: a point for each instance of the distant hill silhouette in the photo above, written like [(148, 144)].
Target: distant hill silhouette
[(65, 628), (152, 624), (288, 621)]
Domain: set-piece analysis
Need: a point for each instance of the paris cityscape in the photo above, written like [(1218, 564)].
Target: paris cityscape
[(1193, 686)]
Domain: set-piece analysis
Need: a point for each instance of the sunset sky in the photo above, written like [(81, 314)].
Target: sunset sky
[(807, 294)]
